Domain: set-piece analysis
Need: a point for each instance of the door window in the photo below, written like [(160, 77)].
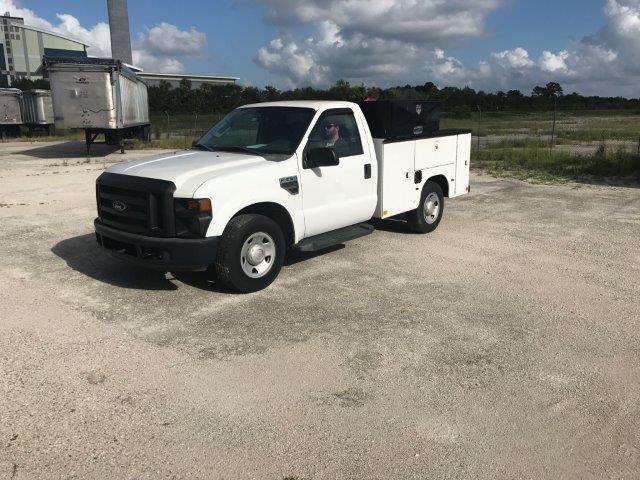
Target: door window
[(337, 129)]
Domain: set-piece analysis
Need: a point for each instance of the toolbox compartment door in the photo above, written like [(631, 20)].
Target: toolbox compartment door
[(435, 152), (463, 160), (396, 177)]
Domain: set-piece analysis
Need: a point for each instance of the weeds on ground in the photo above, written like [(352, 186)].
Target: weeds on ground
[(544, 165), (583, 126), (59, 136)]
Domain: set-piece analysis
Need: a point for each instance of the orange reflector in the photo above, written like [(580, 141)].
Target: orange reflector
[(203, 205)]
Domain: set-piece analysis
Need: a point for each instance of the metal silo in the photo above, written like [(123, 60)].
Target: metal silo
[(120, 34)]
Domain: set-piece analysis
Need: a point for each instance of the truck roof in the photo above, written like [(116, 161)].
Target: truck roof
[(314, 104)]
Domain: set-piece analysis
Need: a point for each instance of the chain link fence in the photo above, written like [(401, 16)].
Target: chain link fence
[(600, 143), (180, 130)]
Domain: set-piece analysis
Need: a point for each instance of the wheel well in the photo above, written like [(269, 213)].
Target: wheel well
[(442, 181), (277, 213)]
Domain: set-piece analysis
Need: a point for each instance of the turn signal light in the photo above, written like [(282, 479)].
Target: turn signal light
[(203, 205)]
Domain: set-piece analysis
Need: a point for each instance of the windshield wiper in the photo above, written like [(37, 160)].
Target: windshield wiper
[(202, 146), (236, 149)]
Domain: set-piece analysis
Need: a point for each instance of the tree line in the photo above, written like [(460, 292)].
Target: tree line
[(459, 102)]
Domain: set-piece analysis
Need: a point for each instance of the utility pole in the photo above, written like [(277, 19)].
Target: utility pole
[(553, 128), (479, 123)]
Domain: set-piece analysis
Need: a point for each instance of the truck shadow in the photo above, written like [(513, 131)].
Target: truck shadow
[(394, 225), (294, 257), (83, 255), (70, 150)]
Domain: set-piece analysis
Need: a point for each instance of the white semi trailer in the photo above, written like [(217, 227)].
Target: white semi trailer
[(275, 176), (99, 96), (10, 111)]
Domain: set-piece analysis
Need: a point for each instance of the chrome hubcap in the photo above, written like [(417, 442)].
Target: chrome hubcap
[(257, 255), (431, 208)]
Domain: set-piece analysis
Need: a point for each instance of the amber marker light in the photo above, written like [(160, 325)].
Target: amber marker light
[(202, 205)]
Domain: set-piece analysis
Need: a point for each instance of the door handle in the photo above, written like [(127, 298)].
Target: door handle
[(367, 171)]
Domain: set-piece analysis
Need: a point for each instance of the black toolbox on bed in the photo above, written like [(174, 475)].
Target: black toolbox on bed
[(402, 119)]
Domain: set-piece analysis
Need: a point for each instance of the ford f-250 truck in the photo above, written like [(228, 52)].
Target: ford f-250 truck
[(275, 176)]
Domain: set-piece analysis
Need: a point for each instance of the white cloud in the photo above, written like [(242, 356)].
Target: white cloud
[(152, 63), (153, 51), (397, 42), (407, 20), (554, 62), (364, 40), (169, 39), (29, 16), (97, 36), (517, 58)]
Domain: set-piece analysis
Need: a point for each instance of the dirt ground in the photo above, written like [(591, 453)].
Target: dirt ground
[(505, 345)]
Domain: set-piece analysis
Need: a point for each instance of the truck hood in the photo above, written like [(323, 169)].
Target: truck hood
[(188, 170)]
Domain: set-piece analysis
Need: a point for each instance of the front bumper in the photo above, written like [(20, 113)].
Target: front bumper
[(164, 254)]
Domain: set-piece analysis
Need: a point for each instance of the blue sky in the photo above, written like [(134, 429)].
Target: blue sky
[(239, 36), (234, 32)]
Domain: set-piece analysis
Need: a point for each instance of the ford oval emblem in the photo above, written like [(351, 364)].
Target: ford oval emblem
[(119, 205)]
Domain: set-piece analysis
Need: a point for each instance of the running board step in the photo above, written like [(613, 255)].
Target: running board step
[(336, 237)]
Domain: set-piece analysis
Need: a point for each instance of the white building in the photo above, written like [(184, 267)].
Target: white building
[(22, 48), (174, 79)]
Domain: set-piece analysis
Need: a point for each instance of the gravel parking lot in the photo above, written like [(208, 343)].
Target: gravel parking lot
[(505, 345)]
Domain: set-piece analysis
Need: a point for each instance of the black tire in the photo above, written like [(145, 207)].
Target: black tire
[(418, 219), (228, 267)]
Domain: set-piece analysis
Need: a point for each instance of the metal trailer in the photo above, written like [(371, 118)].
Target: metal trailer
[(10, 111), (37, 109), (100, 96)]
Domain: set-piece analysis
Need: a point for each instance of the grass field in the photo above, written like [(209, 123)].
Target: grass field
[(548, 166), (579, 126), (581, 145)]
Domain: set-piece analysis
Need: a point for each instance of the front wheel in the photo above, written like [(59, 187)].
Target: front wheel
[(427, 216), (250, 254)]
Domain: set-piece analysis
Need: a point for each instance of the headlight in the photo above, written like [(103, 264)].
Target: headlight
[(193, 217)]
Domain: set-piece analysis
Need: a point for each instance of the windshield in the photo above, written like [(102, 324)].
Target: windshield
[(262, 130)]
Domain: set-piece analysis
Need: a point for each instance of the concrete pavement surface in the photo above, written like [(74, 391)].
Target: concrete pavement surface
[(504, 345)]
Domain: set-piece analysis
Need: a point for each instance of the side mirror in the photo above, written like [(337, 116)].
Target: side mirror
[(322, 157)]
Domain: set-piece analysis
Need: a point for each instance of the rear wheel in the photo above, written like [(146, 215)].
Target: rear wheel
[(250, 253), (427, 216)]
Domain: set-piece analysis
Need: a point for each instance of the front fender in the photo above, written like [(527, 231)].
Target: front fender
[(227, 199)]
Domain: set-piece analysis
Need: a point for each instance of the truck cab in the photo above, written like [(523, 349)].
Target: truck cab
[(270, 177)]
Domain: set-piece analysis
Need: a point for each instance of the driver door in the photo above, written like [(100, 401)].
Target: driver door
[(340, 195)]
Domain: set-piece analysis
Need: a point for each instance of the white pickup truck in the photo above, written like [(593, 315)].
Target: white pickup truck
[(272, 177)]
